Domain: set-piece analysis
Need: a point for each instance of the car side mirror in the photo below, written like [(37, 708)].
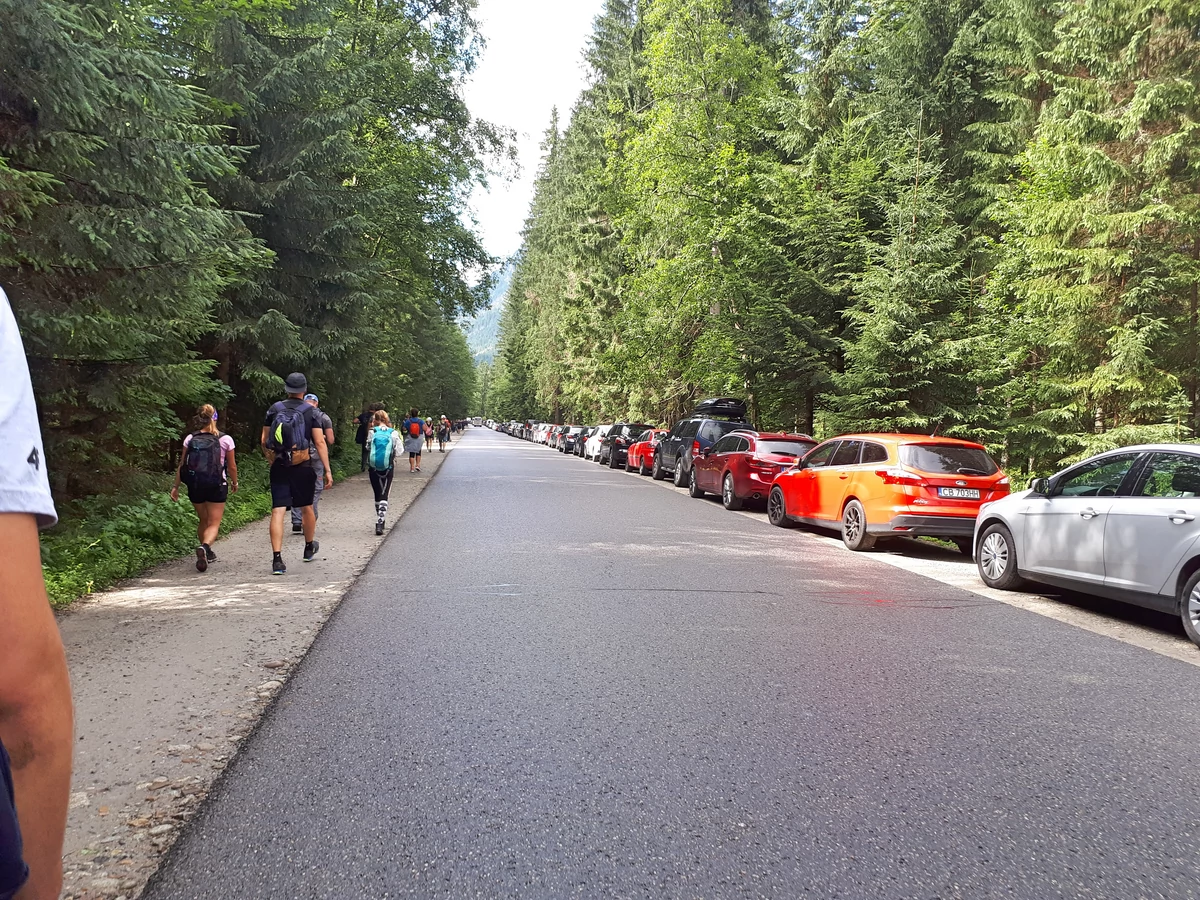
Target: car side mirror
[(706, 451), (1040, 486)]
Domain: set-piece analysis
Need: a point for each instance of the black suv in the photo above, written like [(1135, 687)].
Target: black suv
[(711, 420), (614, 446)]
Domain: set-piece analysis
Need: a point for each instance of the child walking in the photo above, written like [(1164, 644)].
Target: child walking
[(383, 443), (209, 469)]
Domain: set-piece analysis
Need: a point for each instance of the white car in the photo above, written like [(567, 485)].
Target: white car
[(1124, 524), (591, 447)]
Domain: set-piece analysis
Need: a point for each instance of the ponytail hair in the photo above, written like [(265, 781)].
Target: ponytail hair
[(205, 419)]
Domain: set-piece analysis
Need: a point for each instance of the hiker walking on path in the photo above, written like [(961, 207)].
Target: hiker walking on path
[(35, 690), (443, 434), (363, 421), (414, 439), (290, 435), (208, 466), (384, 444), (326, 424), (428, 427)]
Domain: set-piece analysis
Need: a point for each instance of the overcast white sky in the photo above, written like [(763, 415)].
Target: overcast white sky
[(532, 63)]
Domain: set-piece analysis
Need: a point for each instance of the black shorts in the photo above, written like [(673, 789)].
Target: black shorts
[(294, 486), (208, 493)]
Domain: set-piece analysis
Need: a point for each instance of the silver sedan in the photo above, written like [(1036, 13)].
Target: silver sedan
[(1124, 524)]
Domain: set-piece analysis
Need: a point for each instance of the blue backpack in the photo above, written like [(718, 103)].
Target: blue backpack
[(381, 448), (287, 435)]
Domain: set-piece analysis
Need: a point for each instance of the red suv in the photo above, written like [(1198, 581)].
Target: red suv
[(743, 464)]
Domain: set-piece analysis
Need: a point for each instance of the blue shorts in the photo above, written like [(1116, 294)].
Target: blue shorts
[(13, 871)]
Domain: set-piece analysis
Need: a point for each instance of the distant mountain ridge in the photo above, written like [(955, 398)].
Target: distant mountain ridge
[(483, 331)]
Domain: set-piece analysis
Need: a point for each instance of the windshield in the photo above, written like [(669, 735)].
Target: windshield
[(948, 459), (785, 448)]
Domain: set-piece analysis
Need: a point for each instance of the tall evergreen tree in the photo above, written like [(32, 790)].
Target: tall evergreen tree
[(114, 254)]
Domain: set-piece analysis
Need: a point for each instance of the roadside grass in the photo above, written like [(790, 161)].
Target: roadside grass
[(103, 540)]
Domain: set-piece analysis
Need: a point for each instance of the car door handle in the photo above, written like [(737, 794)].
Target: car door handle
[(843, 477), (1179, 517), (1088, 513)]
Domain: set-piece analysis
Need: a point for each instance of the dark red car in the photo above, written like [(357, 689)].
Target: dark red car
[(743, 464), (640, 456)]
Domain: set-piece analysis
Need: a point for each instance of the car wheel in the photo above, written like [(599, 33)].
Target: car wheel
[(965, 547), (854, 527), (612, 460), (679, 476), (642, 470), (694, 489), (1189, 607), (657, 472), (777, 509), (997, 558), (729, 499), (628, 463)]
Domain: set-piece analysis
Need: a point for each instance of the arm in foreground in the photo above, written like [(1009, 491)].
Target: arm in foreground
[(35, 706)]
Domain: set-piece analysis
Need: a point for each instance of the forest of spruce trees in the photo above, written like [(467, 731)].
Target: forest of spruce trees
[(198, 197), (978, 217)]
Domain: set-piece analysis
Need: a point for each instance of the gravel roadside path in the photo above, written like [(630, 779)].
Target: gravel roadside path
[(172, 670)]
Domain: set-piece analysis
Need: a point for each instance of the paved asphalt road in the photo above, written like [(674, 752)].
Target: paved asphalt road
[(555, 680)]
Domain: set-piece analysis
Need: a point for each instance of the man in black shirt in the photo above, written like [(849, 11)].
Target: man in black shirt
[(291, 433)]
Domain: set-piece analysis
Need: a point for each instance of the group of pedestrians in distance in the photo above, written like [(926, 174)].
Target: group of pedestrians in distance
[(296, 437)]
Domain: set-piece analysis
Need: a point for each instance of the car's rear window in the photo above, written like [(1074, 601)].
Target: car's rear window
[(948, 459), (788, 448), (724, 428)]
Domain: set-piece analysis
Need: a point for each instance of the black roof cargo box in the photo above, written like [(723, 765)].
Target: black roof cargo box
[(724, 407)]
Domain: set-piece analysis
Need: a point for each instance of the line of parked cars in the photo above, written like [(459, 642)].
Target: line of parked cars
[(1124, 524)]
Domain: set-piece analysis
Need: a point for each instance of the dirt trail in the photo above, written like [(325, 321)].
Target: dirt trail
[(170, 671)]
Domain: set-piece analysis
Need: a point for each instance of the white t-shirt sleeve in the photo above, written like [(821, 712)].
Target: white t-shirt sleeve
[(24, 484)]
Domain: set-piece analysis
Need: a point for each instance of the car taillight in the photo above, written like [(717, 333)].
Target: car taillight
[(899, 476), (695, 448), (765, 465), (1003, 482)]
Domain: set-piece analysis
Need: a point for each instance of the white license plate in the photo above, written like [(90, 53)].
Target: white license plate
[(959, 493)]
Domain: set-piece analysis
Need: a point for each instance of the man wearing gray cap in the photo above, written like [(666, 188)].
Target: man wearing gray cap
[(326, 424), (290, 435)]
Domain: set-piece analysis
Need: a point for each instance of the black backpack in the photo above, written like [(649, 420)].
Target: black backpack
[(203, 461)]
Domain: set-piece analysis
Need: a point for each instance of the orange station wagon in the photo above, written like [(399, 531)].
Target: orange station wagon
[(880, 485)]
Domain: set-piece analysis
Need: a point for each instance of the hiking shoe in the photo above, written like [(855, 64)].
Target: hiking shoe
[(379, 527), (208, 553), (297, 529), (310, 550), (277, 566), (201, 559)]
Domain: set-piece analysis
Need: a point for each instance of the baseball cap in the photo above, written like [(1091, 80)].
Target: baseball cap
[(312, 397)]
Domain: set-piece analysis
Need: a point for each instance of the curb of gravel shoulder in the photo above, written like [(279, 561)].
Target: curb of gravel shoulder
[(170, 680)]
